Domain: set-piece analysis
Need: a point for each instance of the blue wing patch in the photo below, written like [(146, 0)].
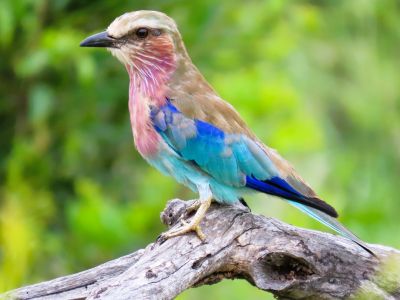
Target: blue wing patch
[(231, 159), (228, 158)]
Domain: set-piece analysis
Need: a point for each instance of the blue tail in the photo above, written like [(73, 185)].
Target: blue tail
[(278, 187), (331, 223), (314, 207)]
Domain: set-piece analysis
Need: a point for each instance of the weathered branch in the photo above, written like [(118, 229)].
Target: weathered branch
[(290, 262)]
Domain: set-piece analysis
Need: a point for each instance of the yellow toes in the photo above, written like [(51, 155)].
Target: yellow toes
[(194, 224)]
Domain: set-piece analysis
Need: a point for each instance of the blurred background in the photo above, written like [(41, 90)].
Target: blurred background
[(317, 80)]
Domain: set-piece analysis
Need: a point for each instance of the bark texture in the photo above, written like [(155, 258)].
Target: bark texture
[(290, 262)]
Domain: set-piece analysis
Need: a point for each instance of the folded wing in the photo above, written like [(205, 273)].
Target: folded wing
[(234, 159)]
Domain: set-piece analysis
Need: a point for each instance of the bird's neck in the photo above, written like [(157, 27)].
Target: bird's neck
[(153, 89), (146, 88), (164, 74), (149, 77), (145, 137), (147, 82)]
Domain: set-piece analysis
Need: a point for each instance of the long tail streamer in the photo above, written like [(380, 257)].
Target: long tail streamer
[(331, 223)]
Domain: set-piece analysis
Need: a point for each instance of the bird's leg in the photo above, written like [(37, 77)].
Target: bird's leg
[(194, 224)]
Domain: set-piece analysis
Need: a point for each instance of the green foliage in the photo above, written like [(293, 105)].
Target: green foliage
[(318, 80)]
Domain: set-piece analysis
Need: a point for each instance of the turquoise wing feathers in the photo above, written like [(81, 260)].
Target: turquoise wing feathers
[(226, 157), (232, 159)]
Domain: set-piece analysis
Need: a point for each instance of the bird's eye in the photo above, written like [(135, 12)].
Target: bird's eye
[(142, 33)]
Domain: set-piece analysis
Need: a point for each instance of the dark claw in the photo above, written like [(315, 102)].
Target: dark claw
[(161, 239), (244, 203)]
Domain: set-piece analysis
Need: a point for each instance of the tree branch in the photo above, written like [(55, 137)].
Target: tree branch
[(290, 262)]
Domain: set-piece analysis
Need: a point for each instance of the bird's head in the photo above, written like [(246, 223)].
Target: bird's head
[(148, 43)]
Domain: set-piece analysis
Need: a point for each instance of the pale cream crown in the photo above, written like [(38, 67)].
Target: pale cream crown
[(128, 22)]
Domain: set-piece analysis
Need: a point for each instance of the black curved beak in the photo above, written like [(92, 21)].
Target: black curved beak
[(101, 39)]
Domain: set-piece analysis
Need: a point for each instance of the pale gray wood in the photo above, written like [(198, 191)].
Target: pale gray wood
[(290, 262)]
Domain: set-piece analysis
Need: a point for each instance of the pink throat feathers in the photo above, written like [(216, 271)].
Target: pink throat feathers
[(148, 76)]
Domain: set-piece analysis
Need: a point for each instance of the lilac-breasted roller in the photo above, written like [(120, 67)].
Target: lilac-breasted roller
[(182, 127)]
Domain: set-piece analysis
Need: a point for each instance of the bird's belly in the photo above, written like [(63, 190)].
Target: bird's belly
[(170, 163)]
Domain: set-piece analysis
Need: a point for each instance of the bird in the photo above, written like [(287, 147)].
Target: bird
[(183, 128)]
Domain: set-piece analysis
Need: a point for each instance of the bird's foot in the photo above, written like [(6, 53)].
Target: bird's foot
[(194, 224), (192, 207), (185, 228)]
